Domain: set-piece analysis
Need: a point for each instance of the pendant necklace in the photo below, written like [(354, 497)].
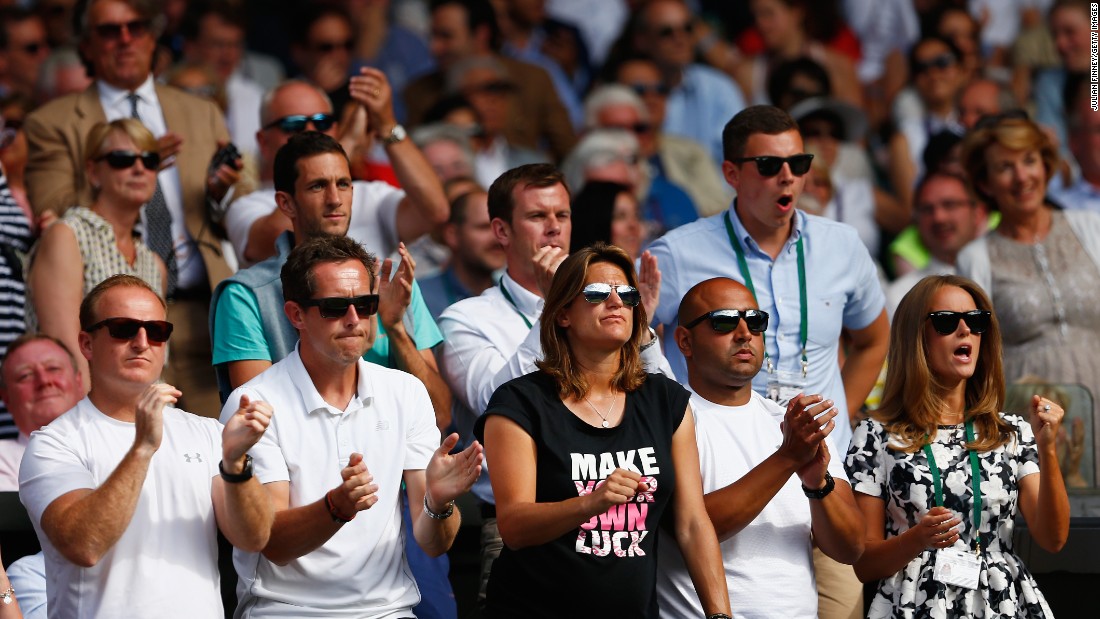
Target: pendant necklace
[(603, 416)]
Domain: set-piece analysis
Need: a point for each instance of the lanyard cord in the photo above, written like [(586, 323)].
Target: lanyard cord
[(975, 484), (509, 298), (743, 265)]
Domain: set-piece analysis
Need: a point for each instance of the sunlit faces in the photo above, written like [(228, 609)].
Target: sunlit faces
[(448, 160), (645, 79), (776, 21), (766, 202), (135, 362), (608, 323), (124, 61), (322, 198), (978, 98), (626, 225), (450, 39), (954, 357), (40, 384), (326, 55), (220, 44), (132, 186), (341, 341), (937, 75), (722, 359), (1015, 179), (473, 241), (946, 217), (541, 218), (292, 99), (670, 33), (1069, 26)]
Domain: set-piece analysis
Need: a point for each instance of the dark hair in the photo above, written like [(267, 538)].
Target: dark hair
[(27, 338), (939, 147), (302, 146), (443, 108), (297, 276), (537, 175), (88, 305), (557, 353), (227, 10), (310, 13), (9, 16), (478, 13), (952, 48), (593, 211), (146, 9), (781, 77), (459, 206), (1078, 88), (766, 119), (933, 174)]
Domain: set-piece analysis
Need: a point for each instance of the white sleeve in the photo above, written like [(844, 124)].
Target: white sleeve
[(50, 469), (474, 366), (242, 213)]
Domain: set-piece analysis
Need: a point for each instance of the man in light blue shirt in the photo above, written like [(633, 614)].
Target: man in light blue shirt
[(812, 275)]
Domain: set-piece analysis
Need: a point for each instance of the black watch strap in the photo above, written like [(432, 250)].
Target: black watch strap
[(237, 478), (824, 491)]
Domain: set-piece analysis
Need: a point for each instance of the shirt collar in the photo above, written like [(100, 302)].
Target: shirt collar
[(526, 301), (749, 242), (118, 96), (312, 399)]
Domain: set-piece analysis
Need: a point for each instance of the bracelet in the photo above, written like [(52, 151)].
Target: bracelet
[(719, 616), (332, 511), (7, 596), (434, 516), (651, 342), (823, 491)]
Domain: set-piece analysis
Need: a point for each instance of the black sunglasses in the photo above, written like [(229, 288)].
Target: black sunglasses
[(296, 123), (992, 120), (598, 293), (327, 47), (725, 320), (941, 61), (770, 165), (336, 307), (125, 159), (157, 331), (649, 89), (497, 87), (32, 49), (946, 323), (113, 31), (668, 31)]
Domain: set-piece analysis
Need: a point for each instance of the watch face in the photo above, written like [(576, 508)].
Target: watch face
[(397, 134)]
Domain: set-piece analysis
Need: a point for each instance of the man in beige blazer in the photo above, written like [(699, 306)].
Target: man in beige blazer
[(117, 44)]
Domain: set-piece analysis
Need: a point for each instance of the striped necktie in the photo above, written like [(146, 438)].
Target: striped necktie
[(158, 222)]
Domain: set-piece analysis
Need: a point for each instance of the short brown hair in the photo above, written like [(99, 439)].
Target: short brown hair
[(557, 353), (1013, 134), (501, 193), (88, 305), (297, 275), (912, 398), (766, 119)]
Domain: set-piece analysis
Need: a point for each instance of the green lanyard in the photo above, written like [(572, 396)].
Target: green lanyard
[(744, 266), (975, 484), (509, 298)]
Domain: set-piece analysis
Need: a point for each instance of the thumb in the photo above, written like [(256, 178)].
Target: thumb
[(244, 401), (355, 459), (387, 268), (448, 443)]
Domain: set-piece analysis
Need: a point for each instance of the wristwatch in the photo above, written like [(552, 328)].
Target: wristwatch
[(824, 491), (397, 134), (237, 478)]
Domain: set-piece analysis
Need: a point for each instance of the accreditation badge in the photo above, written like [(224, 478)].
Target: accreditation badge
[(785, 386), (954, 567)]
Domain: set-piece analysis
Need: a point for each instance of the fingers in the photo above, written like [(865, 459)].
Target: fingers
[(386, 270), (941, 528)]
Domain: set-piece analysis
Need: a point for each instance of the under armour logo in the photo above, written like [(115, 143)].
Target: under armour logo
[(195, 457), (382, 425)]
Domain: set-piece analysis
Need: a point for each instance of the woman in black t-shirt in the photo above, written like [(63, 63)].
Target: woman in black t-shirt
[(586, 454)]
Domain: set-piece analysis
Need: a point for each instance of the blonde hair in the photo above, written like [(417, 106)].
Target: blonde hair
[(1019, 134), (912, 398), (557, 352), (131, 127)]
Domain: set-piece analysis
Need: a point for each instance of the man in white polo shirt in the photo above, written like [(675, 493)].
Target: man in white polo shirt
[(772, 477), (347, 434), (124, 489)]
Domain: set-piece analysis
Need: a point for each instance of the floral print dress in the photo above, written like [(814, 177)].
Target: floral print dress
[(876, 467)]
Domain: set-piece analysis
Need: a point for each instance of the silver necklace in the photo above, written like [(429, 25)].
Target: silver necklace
[(603, 416)]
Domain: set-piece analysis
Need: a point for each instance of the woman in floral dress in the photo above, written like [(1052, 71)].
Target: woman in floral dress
[(937, 548)]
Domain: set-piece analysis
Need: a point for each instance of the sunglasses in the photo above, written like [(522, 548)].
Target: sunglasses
[(499, 87), (337, 307), (650, 89), (598, 293), (296, 123), (725, 320), (156, 331), (328, 47), (636, 128), (992, 120), (946, 323), (668, 31), (113, 31), (771, 165), (32, 49), (124, 159), (941, 61)]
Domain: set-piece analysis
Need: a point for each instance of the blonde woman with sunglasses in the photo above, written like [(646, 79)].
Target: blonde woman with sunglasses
[(97, 241), (940, 472)]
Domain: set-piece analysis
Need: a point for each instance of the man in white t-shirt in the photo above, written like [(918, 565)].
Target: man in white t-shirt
[(124, 489), (383, 214), (347, 435), (773, 480)]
